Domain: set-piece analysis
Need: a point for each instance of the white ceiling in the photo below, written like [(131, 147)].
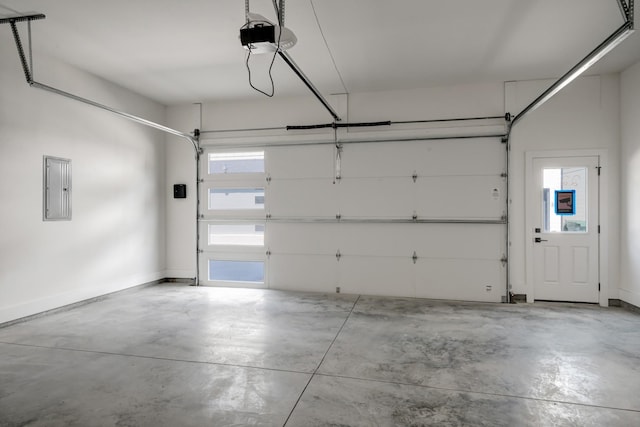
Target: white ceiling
[(189, 51)]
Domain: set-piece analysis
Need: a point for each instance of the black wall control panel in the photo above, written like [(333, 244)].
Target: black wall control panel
[(180, 191)]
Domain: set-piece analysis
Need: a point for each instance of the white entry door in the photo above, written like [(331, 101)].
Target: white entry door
[(564, 192)]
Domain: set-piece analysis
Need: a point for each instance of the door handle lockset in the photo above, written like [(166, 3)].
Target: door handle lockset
[(540, 239)]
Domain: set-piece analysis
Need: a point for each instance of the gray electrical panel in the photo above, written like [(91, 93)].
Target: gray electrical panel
[(56, 204)]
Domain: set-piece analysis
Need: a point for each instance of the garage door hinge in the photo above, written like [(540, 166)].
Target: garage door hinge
[(268, 253), (338, 255), (504, 260), (414, 257), (268, 179)]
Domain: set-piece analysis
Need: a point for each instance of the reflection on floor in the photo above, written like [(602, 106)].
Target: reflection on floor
[(174, 355)]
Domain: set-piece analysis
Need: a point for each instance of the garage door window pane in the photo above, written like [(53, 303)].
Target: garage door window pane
[(236, 234), (230, 163), (236, 271), (236, 199)]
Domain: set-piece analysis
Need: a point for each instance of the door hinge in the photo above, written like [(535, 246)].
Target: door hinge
[(598, 167), (598, 287), (598, 228)]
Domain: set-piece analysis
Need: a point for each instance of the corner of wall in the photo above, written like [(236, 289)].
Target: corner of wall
[(629, 288)]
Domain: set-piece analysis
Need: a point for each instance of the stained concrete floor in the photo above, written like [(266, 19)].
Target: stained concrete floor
[(174, 355)]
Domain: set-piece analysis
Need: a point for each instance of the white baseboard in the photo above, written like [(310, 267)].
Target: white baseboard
[(180, 274), (629, 297), (51, 302)]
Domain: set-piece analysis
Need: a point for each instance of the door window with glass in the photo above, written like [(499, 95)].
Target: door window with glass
[(565, 199)]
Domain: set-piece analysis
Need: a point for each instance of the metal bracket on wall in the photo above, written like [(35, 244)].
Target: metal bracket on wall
[(22, 18), (627, 10)]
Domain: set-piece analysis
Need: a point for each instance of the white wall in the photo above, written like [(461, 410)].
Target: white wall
[(116, 237), (181, 213), (630, 195), (585, 115)]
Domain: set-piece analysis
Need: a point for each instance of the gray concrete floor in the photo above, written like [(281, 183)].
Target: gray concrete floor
[(174, 355)]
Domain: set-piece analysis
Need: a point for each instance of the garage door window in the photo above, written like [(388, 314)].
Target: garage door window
[(225, 199), (236, 234), (236, 163), (236, 271)]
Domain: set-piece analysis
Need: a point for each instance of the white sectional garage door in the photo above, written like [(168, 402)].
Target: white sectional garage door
[(399, 218)]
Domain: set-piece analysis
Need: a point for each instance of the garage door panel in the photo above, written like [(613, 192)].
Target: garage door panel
[(292, 238), (376, 198), (376, 276), (460, 280), (313, 273), (306, 198), (461, 197), (464, 241), (426, 158), (377, 239), (460, 157), (315, 161), (378, 160)]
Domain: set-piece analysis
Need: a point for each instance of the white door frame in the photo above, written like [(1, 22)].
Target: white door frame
[(530, 220)]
